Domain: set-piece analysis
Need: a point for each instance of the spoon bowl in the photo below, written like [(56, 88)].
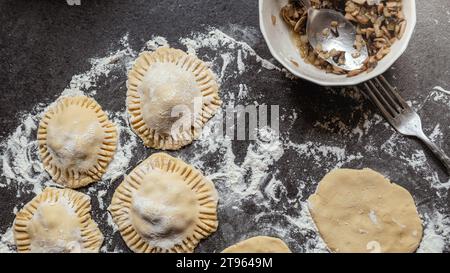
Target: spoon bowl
[(341, 38), (329, 30)]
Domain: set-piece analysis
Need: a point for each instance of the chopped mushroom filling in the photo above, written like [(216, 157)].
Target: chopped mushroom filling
[(379, 23)]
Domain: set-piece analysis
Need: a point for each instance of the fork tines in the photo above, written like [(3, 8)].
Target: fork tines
[(386, 98)]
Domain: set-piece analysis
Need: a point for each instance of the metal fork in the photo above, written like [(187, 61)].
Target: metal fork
[(399, 114)]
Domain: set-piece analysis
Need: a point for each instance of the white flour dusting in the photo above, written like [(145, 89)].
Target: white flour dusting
[(7, 241), (274, 189), (438, 88), (304, 222), (436, 232), (217, 40), (336, 156), (243, 91), (156, 42), (249, 185), (436, 135), (247, 177)]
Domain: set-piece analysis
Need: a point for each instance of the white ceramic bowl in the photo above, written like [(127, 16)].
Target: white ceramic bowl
[(279, 41)]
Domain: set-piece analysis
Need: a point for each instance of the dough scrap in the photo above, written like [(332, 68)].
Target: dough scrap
[(76, 141), (362, 211), (57, 221), (171, 95), (164, 205), (259, 244)]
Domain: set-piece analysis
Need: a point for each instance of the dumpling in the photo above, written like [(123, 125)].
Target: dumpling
[(76, 141), (164, 205), (171, 95), (259, 244), (57, 221)]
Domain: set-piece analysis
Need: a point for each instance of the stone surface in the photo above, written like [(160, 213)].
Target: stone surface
[(44, 43)]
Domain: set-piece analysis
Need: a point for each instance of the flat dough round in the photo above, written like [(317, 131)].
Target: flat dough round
[(76, 141), (361, 211), (164, 205), (171, 95), (259, 244), (57, 221)]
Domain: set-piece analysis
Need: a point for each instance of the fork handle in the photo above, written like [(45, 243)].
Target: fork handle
[(436, 151)]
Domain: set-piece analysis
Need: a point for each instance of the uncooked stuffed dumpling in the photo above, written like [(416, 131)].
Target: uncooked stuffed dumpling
[(171, 95), (76, 141), (57, 221), (164, 205)]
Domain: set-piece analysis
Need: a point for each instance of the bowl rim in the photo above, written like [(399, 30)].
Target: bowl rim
[(356, 80)]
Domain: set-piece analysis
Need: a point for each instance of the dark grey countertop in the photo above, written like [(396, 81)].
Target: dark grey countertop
[(44, 43)]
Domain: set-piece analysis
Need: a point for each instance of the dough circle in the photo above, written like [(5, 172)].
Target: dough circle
[(164, 205), (57, 221), (76, 141), (362, 211), (259, 244), (171, 95)]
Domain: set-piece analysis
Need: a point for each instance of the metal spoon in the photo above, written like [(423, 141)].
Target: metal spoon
[(340, 38)]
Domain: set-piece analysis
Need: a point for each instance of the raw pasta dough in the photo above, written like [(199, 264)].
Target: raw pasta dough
[(56, 221), (76, 141), (164, 205), (361, 211), (259, 244), (171, 95)]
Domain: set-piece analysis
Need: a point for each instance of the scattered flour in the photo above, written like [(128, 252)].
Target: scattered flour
[(267, 150), (308, 229), (7, 241), (335, 156), (436, 135), (156, 42), (438, 88), (217, 40), (243, 91), (274, 189), (240, 63), (436, 233)]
